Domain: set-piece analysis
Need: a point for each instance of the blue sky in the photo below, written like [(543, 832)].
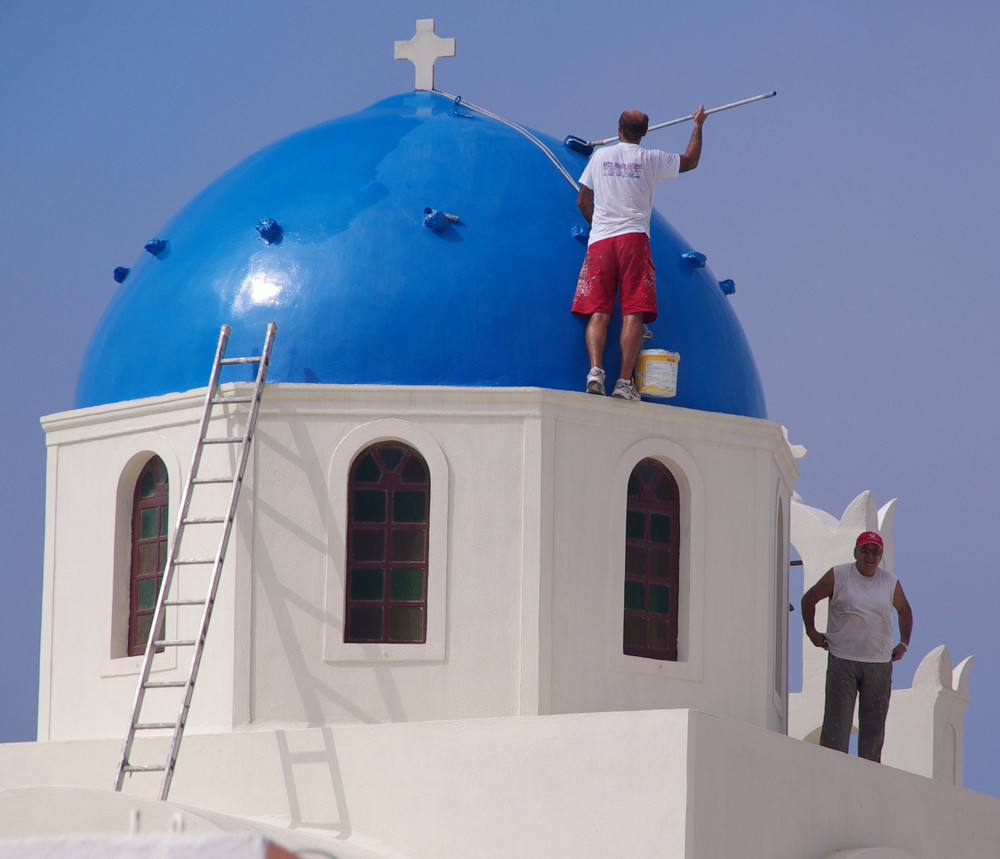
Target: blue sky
[(855, 212)]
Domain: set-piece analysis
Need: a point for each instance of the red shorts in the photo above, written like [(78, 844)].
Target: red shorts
[(623, 261)]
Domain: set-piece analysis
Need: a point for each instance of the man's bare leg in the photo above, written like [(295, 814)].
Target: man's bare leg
[(631, 342), (597, 336)]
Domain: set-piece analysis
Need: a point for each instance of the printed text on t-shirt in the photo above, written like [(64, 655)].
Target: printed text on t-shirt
[(625, 169)]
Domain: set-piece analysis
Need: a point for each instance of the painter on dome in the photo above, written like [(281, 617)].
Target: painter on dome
[(616, 198), (859, 639)]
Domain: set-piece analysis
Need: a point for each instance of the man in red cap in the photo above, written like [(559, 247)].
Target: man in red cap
[(859, 640)]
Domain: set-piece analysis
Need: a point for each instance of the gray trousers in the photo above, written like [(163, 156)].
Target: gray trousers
[(870, 683)]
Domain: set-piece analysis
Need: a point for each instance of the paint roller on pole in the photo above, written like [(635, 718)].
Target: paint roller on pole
[(586, 148)]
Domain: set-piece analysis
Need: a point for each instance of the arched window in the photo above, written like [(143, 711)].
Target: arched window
[(652, 538), (149, 550), (388, 512)]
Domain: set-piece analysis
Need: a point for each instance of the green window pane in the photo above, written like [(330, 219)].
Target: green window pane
[(367, 585), (149, 522), (142, 624), (164, 520), (367, 470), (635, 557), (406, 623), (414, 471), (659, 563), (147, 591), (634, 598), (407, 546), (365, 623), (147, 485), (635, 525), (659, 528), (369, 505), (409, 506), (407, 585), (391, 456), (367, 545), (149, 558), (659, 634), (632, 631), (153, 475), (659, 599)]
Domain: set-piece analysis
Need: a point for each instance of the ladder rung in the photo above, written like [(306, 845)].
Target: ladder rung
[(183, 602), (189, 561), (201, 480), (154, 726), (151, 768), (205, 520), (223, 440), (164, 684), (217, 401), (180, 642), (252, 360)]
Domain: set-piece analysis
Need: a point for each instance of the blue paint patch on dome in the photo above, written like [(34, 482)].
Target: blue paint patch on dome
[(364, 293)]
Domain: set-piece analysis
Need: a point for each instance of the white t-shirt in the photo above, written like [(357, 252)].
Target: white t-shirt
[(859, 625), (623, 178)]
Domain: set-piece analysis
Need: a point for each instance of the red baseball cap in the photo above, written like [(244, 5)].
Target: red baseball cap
[(869, 537)]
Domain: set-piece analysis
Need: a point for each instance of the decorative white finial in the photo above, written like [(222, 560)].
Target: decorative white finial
[(423, 50)]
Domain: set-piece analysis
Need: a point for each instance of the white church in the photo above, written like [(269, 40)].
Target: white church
[(465, 609)]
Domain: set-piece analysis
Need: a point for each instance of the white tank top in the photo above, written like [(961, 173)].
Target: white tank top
[(859, 626)]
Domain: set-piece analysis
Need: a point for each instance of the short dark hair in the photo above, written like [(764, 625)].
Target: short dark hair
[(634, 123)]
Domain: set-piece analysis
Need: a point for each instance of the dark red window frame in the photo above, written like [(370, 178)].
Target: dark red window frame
[(150, 527), (652, 562), (388, 515)]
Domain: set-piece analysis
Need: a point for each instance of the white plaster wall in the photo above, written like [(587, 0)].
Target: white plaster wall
[(298, 565), (797, 799), (527, 553), (731, 472), (535, 547), (86, 682), (641, 783)]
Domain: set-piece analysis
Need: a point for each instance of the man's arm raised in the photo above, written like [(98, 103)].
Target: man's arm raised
[(690, 159)]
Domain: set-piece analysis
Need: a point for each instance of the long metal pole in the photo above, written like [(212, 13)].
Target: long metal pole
[(691, 116)]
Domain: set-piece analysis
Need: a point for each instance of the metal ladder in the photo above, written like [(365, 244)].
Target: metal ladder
[(157, 642)]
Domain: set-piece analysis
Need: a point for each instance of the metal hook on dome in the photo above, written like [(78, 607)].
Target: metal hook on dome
[(454, 108), (728, 286), (120, 273)]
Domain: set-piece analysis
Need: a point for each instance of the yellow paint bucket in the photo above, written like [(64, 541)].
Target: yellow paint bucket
[(656, 373)]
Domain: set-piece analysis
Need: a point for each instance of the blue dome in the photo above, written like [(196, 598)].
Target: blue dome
[(363, 292)]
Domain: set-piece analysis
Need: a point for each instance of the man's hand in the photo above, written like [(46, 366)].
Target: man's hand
[(898, 651), (818, 639), (700, 116)]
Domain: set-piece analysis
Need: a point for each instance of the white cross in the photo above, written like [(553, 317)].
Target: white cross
[(423, 50)]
